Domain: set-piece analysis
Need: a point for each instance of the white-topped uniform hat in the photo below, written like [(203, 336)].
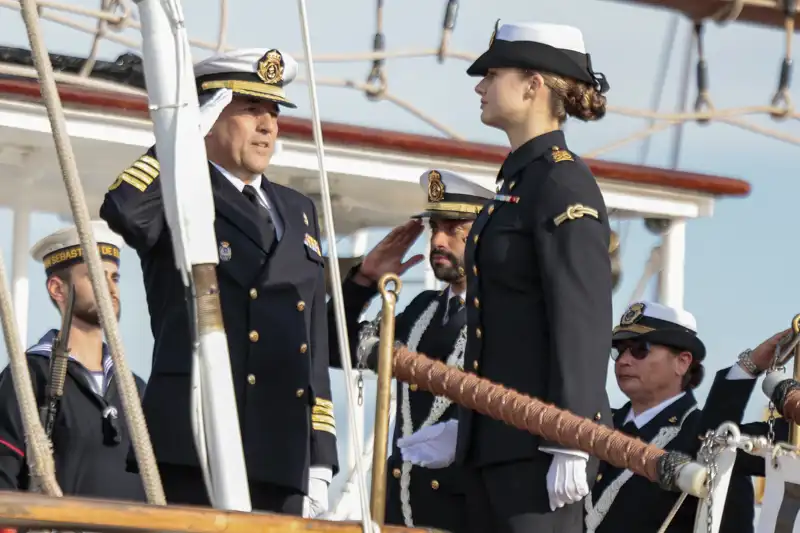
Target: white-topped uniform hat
[(660, 324), (250, 72), (63, 248), (451, 195), (553, 48)]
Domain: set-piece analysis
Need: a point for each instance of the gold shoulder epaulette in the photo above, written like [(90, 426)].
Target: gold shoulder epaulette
[(576, 211), (140, 174), (560, 155)]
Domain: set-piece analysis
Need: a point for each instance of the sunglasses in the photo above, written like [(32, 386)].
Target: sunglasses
[(638, 349)]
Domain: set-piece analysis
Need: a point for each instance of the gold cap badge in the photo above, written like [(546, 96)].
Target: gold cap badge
[(270, 67), (633, 314), (494, 33), (435, 186)]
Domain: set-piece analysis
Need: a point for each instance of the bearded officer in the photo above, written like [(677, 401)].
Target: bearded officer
[(90, 435), (272, 286), (434, 323)]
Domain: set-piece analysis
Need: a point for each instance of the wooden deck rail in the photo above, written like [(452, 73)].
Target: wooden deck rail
[(26, 510)]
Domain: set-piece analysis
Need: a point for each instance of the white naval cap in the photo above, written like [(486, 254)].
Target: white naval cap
[(555, 48), (249, 72), (63, 248), (660, 324), (451, 195), (556, 35)]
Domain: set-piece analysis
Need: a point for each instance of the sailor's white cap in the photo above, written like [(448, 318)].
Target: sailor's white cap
[(250, 72), (63, 247), (555, 48), (660, 324), (451, 195)]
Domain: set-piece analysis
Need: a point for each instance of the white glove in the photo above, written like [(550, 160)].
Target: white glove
[(432, 446), (566, 478), (316, 503), (210, 111)]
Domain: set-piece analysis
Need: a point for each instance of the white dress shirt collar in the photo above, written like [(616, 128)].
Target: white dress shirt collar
[(643, 418)]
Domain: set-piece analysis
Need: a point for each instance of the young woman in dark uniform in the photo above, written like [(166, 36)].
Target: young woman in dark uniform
[(539, 279)]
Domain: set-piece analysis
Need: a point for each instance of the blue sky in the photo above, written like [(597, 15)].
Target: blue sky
[(740, 264)]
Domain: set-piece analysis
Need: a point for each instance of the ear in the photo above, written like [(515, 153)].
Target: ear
[(57, 289), (682, 363), (536, 82)]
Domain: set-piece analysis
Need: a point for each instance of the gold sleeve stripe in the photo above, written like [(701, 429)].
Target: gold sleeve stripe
[(324, 419), (144, 177), (130, 180), (324, 427), (322, 410), (152, 161), (323, 402), (146, 168)]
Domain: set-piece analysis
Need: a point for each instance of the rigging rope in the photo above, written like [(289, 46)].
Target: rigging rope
[(39, 455), (118, 15), (80, 212)]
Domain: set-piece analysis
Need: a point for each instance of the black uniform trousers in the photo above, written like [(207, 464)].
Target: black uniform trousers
[(90, 436), (642, 506), (183, 485), (539, 316), (272, 297), (446, 498)]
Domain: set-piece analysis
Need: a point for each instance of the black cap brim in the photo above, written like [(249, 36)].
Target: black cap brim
[(268, 98), (675, 338), (449, 215), (533, 56)]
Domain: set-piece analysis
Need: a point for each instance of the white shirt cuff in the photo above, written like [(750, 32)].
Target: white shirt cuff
[(325, 473), (737, 372), (574, 453)]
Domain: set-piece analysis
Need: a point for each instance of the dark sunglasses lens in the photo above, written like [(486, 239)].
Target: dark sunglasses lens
[(638, 350)]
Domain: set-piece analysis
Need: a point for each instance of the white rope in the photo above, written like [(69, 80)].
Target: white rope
[(335, 277)]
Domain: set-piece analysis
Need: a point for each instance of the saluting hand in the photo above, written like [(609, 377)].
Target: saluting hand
[(762, 356), (388, 255)]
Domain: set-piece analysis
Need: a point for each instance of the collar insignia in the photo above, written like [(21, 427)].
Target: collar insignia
[(560, 155)]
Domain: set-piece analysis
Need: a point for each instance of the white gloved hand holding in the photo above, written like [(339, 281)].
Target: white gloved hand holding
[(211, 109), (316, 503), (566, 478), (432, 446)]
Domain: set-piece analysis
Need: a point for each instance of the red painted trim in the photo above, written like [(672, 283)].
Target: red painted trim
[(701, 9), (348, 135), (12, 448)]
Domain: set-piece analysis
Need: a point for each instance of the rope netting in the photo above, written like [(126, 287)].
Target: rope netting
[(113, 17)]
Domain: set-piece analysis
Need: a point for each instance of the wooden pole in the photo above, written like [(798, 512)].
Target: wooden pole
[(36, 511)]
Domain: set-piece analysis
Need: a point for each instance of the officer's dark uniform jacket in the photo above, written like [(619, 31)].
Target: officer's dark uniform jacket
[(642, 506), (538, 297), (273, 307), (90, 435), (438, 497)]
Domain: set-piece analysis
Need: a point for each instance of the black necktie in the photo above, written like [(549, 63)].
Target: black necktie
[(453, 307), (269, 227)]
